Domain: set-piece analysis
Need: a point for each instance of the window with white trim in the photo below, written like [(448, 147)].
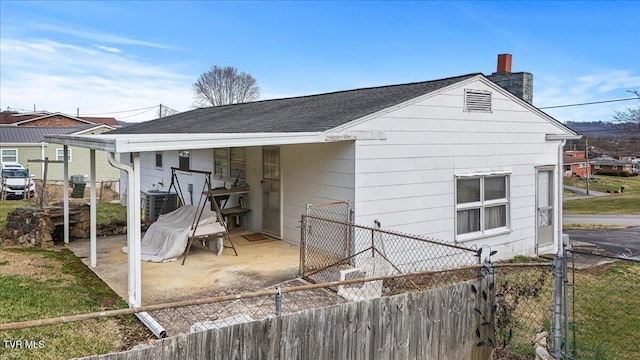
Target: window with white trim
[(230, 163), (9, 155), (184, 159), (159, 159), (482, 205), (60, 154)]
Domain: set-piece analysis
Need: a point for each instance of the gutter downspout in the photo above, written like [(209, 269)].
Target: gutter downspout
[(133, 292), (133, 244)]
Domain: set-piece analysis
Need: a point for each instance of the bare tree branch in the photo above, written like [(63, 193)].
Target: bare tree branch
[(223, 86)]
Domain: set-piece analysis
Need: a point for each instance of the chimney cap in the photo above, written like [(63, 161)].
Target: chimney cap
[(504, 63)]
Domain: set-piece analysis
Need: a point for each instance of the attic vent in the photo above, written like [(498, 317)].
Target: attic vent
[(477, 100)]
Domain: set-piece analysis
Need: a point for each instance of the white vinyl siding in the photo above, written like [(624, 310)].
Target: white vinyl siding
[(407, 180), (328, 177)]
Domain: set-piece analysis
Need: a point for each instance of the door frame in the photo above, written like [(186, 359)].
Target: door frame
[(551, 169), (280, 200)]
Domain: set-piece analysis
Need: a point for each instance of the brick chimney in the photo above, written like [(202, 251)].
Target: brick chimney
[(504, 63), (519, 84)]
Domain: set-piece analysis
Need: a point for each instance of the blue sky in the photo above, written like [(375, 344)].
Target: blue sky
[(107, 58)]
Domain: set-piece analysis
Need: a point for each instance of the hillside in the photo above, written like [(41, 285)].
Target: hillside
[(609, 138)]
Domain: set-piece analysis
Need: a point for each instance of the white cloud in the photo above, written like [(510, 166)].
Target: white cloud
[(109, 49), (551, 90), (97, 36), (61, 77)]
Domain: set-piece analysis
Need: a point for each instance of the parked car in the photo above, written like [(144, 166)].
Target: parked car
[(16, 181)]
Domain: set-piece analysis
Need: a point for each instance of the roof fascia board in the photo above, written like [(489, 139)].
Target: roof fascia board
[(163, 142), (93, 128), (54, 114), (5, 145), (401, 105), (92, 142), (552, 137)]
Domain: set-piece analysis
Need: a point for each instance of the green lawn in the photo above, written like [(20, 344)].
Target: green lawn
[(38, 284), (626, 202), (606, 303)]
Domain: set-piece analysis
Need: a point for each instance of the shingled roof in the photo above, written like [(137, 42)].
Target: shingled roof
[(311, 113)]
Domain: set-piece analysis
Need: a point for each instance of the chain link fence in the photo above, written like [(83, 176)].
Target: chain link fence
[(520, 292), (603, 306), (331, 244)]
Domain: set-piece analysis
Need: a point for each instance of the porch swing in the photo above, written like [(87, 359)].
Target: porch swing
[(204, 225)]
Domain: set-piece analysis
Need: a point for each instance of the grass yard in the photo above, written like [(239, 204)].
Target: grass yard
[(607, 303), (627, 202), (39, 284), (36, 284)]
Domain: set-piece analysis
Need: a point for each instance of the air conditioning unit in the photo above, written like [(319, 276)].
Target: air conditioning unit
[(155, 204)]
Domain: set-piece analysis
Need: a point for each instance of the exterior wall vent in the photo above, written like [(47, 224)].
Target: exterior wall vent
[(477, 100)]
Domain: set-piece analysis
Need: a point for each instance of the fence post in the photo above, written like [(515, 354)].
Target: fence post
[(566, 247), (558, 280), (303, 244), (278, 301)]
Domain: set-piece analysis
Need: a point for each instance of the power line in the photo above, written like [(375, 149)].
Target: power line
[(588, 103), (136, 114), (123, 111)]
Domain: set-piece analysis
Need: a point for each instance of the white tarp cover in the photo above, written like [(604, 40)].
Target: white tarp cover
[(167, 238)]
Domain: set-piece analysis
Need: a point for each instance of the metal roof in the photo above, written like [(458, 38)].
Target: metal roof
[(35, 134)]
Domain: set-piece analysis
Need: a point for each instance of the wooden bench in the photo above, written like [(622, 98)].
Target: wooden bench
[(234, 215)]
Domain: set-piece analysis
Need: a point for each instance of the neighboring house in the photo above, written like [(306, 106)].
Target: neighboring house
[(609, 164), (49, 119), (459, 159), (575, 164), (24, 143)]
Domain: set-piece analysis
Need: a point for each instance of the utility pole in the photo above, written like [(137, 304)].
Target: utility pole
[(586, 159), (160, 111)]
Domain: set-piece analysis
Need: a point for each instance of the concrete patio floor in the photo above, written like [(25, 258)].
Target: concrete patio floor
[(259, 264)]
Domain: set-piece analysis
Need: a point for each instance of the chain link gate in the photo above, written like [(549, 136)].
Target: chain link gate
[(601, 306), (324, 243)]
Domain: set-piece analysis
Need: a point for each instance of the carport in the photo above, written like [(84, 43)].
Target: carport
[(135, 144)]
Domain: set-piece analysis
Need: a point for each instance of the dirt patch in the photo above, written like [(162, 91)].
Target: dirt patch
[(35, 266)]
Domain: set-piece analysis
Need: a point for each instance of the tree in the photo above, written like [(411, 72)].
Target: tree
[(223, 86), (629, 115)]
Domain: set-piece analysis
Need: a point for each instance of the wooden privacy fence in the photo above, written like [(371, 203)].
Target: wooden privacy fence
[(434, 324)]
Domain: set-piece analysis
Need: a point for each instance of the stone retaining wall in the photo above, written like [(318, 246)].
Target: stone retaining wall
[(35, 227)]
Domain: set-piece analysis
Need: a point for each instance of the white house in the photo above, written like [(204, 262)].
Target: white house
[(459, 159)]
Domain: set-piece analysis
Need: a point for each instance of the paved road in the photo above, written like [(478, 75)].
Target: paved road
[(615, 241), (630, 220)]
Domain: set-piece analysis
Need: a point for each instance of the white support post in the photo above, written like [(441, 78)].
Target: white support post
[(65, 191), (92, 205)]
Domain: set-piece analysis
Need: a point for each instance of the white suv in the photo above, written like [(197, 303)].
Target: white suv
[(16, 180)]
